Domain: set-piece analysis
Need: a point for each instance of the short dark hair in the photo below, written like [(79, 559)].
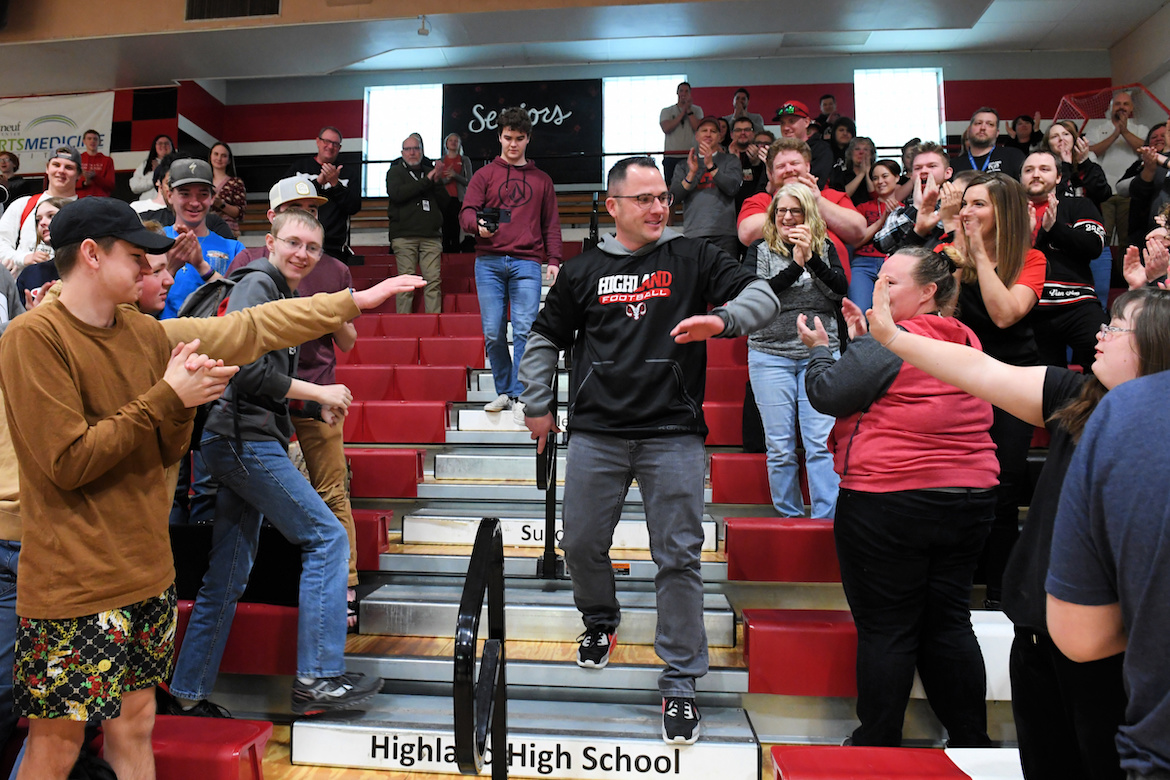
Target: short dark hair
[(515, 118), (1022, 118), (91, 130), (769, 133), (985, 110), (686, 84), (828, 96), (617, 174), (65, 257), (746, 94), (890, 165), (334, 129), (930, 147), (1055, 160), (164, 165), (743, 119), (13, 157)]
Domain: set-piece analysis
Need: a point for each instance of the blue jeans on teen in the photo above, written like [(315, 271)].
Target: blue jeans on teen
[(670, 473), (865, 271), (500, 280), (778, 383), (9, 560), (262, 480), (907, 563), (1102, 270)]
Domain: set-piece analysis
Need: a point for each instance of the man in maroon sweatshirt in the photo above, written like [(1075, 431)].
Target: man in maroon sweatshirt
[(519, 231)]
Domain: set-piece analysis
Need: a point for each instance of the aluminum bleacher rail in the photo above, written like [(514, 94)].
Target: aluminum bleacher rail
[(482, 705)]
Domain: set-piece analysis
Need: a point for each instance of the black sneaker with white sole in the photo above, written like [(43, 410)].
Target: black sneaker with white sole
[(680, 720), (324, 694), (594, 646)]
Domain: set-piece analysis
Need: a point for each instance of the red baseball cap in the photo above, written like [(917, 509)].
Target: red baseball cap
[(792, 108)]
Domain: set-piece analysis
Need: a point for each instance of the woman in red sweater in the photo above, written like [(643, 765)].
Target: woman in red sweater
[(918, 473)]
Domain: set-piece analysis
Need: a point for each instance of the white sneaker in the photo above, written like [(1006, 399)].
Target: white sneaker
[(518, 413), (501, 403)]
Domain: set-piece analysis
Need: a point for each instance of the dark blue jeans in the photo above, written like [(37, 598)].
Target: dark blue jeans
[(907, 561), (9, 560)]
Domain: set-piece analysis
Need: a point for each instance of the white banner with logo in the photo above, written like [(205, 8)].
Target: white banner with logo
[(32, 127)]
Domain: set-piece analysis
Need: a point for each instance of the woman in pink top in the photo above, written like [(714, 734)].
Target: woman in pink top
[(916, 502)]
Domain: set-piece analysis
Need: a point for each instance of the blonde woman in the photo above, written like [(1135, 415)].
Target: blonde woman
[(803, 269)]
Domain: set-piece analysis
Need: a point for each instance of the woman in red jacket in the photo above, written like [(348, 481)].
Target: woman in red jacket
[(917, 499)]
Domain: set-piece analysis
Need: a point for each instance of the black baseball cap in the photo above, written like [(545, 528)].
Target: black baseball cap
[(102, 217)]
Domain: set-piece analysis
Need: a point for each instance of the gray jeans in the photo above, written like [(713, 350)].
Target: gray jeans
[(670, 472)]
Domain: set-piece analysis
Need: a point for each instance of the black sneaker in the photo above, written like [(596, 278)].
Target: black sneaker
[(323, 694), (680, 720), (594, 647), (169, 705)]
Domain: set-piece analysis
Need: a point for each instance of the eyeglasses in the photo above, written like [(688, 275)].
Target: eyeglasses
[(644, 200), (797, 213), (412, 148), (1107, 331), (295, 244), (328, 142)]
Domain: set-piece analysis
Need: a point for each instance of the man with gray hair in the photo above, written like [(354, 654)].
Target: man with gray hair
[(1114, 142), (418, 199)]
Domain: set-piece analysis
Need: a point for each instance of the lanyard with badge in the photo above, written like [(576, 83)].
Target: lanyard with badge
[(426, 203), (986, 161)]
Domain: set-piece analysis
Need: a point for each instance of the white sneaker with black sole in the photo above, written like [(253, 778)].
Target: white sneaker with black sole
[(501, 403), (680, 721)]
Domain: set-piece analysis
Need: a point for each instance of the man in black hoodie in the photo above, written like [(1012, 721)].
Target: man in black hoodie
[(633, 310), (342, 193)]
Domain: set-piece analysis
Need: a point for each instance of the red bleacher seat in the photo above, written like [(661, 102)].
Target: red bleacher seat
[(724, 423), (1041, 437), (384, 352), (371, 527), (384, 473), (409, 326), (726, 383), (354, 425), (263, 639), (727, 352), (781, 549), (465, 303), (449, 351), (739, 478), (368, 325), (367, 383), (429, 383), (187, 748), (810, 762), (800, 652), (405, 422), (455, 324)]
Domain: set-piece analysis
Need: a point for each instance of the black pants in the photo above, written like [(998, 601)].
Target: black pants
[(907, 560), (451, 225), (1067, 714), (1060, 327), (1013, 439)]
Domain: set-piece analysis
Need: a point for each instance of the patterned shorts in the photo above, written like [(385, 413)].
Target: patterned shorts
[(79, 668)]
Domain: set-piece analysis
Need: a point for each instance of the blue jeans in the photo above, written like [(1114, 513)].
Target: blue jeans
[(670, 474), (263, 481), (500, 280), (864, 273), (9, 559), (1102, 270), (778, 383)]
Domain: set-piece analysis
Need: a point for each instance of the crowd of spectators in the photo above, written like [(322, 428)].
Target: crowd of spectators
[(881, 297)]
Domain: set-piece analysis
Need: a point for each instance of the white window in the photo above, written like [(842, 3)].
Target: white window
[(630, 108), (897, 104), (392, 113)]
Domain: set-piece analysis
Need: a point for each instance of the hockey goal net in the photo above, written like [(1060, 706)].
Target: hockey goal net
[(1080, 107)]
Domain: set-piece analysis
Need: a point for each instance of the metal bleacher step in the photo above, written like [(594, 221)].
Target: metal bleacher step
[(524, 528), (499, 463), (545, 670), (545, 739), (416, 609)]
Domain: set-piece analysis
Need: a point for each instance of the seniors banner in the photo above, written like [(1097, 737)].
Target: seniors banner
[(32, 127), (566, 123)]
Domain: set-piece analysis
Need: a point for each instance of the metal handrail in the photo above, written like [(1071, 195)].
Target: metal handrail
[(481, 705)]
